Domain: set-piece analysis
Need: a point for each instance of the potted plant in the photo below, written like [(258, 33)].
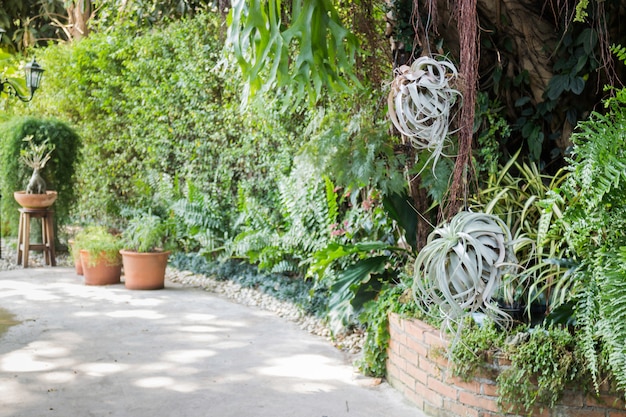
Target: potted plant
[(99, 255), (146, 242), (36, 194)]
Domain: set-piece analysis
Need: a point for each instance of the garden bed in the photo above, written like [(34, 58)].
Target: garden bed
[(417, 367)]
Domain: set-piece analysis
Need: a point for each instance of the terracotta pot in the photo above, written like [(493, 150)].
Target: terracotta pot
[(102, 273), (35, 201), (144, 270), (78, 264)]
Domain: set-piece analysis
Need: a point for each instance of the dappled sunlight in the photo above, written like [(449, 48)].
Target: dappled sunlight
[(188, 356), (166, 383), (21, 361), (59, 377), (180, 353), (313, 367), (102, 368), (31, 292)]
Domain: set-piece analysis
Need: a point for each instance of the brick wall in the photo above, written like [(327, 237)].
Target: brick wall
[(417, 367)]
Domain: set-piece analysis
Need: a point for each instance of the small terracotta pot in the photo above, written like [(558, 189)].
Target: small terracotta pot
[(102, 273), (144, 270)]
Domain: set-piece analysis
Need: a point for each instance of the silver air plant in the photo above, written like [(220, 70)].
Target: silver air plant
[(461, 268), (421, 102)]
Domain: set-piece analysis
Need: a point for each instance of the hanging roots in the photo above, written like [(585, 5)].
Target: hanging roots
[(421, 101)]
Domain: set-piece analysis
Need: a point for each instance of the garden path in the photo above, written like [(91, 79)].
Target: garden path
[(107, 351)]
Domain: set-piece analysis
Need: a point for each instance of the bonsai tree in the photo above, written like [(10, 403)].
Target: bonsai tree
[(36, 158)]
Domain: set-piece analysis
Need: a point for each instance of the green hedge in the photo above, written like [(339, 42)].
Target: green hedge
[(162, 103)]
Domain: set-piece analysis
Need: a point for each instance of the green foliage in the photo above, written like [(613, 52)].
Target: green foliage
[(159, 102), (60, 170), (355, 148), (100, 244), (147, 232), (375, 316), (476, 348), (297, 291), (619, 51), (313, 51), (592, 233), (540, 369)]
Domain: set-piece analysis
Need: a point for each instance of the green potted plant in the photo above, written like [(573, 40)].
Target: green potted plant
[(145, 254), (99, 255), (36, 194)]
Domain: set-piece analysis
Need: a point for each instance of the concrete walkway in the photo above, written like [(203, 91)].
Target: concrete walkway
[(82, 351)]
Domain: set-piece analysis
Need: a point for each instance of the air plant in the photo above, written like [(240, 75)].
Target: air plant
[(460, 270), (421, 102)]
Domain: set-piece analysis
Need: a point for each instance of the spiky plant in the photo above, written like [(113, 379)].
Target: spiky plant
[(461, 268)]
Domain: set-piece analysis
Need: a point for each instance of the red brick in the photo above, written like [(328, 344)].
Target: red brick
[(429, 395), (430, 367), (604, 400), (479, 401), (585, 412), (418, 374), (394, 345), (417, 346), (615, 413), (397, 360), (409, 355), (407, 380), (572, 398), (446, 390), (471, 385), (434, 339), (415, 329), (438, 356), (415, 398), (460, 409), (393, 371), (489, 389)]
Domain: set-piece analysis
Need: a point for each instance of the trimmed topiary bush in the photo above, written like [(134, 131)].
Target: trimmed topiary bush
[(59, 171)]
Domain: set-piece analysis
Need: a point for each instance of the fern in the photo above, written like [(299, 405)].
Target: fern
[(619, 51), (592, 227)]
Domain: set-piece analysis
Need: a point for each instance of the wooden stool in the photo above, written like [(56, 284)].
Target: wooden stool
[(47, 235)]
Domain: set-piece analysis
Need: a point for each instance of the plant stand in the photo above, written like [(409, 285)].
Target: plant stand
[(47, 235)]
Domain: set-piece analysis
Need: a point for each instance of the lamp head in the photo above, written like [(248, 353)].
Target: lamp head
[(33, 73)]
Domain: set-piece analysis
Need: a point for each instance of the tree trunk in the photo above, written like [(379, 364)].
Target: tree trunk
[(79, 13)]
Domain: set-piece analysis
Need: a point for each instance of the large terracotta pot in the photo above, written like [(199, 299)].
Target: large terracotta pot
[(35, 201), (100, 273), (144, 270)]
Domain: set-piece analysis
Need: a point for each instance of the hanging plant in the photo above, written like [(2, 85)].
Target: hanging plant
[(421, 102), (461, 267)]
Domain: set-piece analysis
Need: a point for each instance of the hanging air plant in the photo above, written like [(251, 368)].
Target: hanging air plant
[(421, 102), (461, 267)]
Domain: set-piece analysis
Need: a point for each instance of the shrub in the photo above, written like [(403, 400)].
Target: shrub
[(59, 173)]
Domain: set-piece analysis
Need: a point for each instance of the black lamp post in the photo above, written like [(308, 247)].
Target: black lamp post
[(32, 74)]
